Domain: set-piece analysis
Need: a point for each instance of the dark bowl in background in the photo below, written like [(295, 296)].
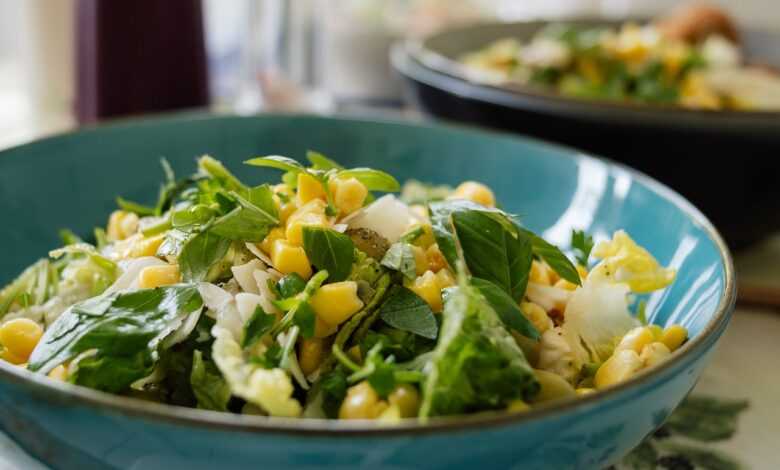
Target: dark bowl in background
[(725, 162)]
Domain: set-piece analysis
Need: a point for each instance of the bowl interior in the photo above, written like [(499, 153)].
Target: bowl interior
[(71, 181)]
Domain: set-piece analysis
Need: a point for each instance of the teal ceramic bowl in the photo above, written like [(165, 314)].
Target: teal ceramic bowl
[(71, 181)]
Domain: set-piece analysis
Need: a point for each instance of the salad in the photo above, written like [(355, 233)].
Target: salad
[(684, 60), (328, 296)]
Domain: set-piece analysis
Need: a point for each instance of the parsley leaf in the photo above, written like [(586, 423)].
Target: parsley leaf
[(582, 244)]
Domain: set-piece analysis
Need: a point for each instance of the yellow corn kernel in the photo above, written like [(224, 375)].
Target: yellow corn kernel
[(420, 260), (362, 402), (282, 188), (8, 356), (59, 373), (657, 331), (426, 239), (287, 259), (582, 391), (355, 353), (286, 210), (146, 246), (20, 336), (636, 339), (312, 213), (674, 336), (654, 353), (553, 386), (350, 195), (311, 351), (564, 284), (618, 368), (427, 287), (445, 279), (309, 188), (322, 329), (476, 192), (156, 276), (582, 271), (539, 273), (518, 406), (276, 233), (537, 316), (336, 302), (436, 259), (406, 398), (121, 225)]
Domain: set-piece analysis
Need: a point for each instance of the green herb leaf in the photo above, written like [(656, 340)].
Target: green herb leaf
[(321, 162), (291, 285), (374, 180), (553, 257), (249, 221), (258, 325), (506, 308), (406, 311), (329, 250), (124, 329), (270, 359), (131, 206), (400, 257), (192, 217), (69, 238), (582, 244), (199, 253), (216, 170), (333, 387), (305, 319), (278, 162), (208, 385)]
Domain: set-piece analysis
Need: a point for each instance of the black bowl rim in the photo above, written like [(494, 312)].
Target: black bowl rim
[(73, 395), (524, 97)]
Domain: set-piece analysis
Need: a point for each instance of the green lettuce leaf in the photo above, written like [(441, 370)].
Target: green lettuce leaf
[(210, 388)]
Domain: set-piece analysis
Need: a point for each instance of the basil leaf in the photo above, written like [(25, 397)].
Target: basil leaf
[(278, 162), (400, 257), (258, 325), (192, 217), (553, 257), (208, 385), (291, 285), (199, 253), (374, 180), (329, 250), (305, 319), (135, 207), (582, 244), (506, 308), (249, 221), (124, 329), (321, 162), (406, 311), (493, 253), (173, 243)]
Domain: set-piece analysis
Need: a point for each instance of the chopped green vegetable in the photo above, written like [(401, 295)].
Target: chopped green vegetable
[(553, 257), (210, 389), (199, 253), (582, 244), (406, 311), (506, 308), (400, 257), (329, 250), (291, 285), (258, 325)]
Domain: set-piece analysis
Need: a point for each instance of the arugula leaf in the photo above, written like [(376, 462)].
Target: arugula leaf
[(277, 161), (199, 253), (249, 221), (291, 285), (258, 325), (506, 308), (124, 329), (400, 257), (329, 250), (493, 253), (406, 311), (192, 217), (582, 244), (176, 364), (216, 170), (553, 257), (476, 364), (321, 162), (135, 207), (374, 180), (173, 243), (208, 385)]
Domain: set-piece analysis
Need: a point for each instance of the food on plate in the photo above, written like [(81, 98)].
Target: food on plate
[(691, 59), (325, 295)]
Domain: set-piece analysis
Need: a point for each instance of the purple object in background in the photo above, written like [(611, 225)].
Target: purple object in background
[(138, 57)]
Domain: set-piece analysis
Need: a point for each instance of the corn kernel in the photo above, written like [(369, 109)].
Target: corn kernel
[(59, 373), (582, 271), (322, 329), (476, 192), (19, 337), (420, 260), (553, 386), (336, 302), (618, 368), (312, 213), (654, 353), (426, 239), (674, 336), (582, 391), (287, 259), (286, 210), (657, 331), (436, 259), (350, 195), (146, 246), (406, 398), (445, 279), (311, 351), (539, 274), (565, 285), (427, 287), (309, 188), (362, 402), (121, 225), (537, 316), (8, 356), (156, 276), (276, 233), (518, 406), (636, 339)]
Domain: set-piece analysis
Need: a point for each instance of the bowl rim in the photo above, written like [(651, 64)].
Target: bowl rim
[(74, 395), (520, 96)]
